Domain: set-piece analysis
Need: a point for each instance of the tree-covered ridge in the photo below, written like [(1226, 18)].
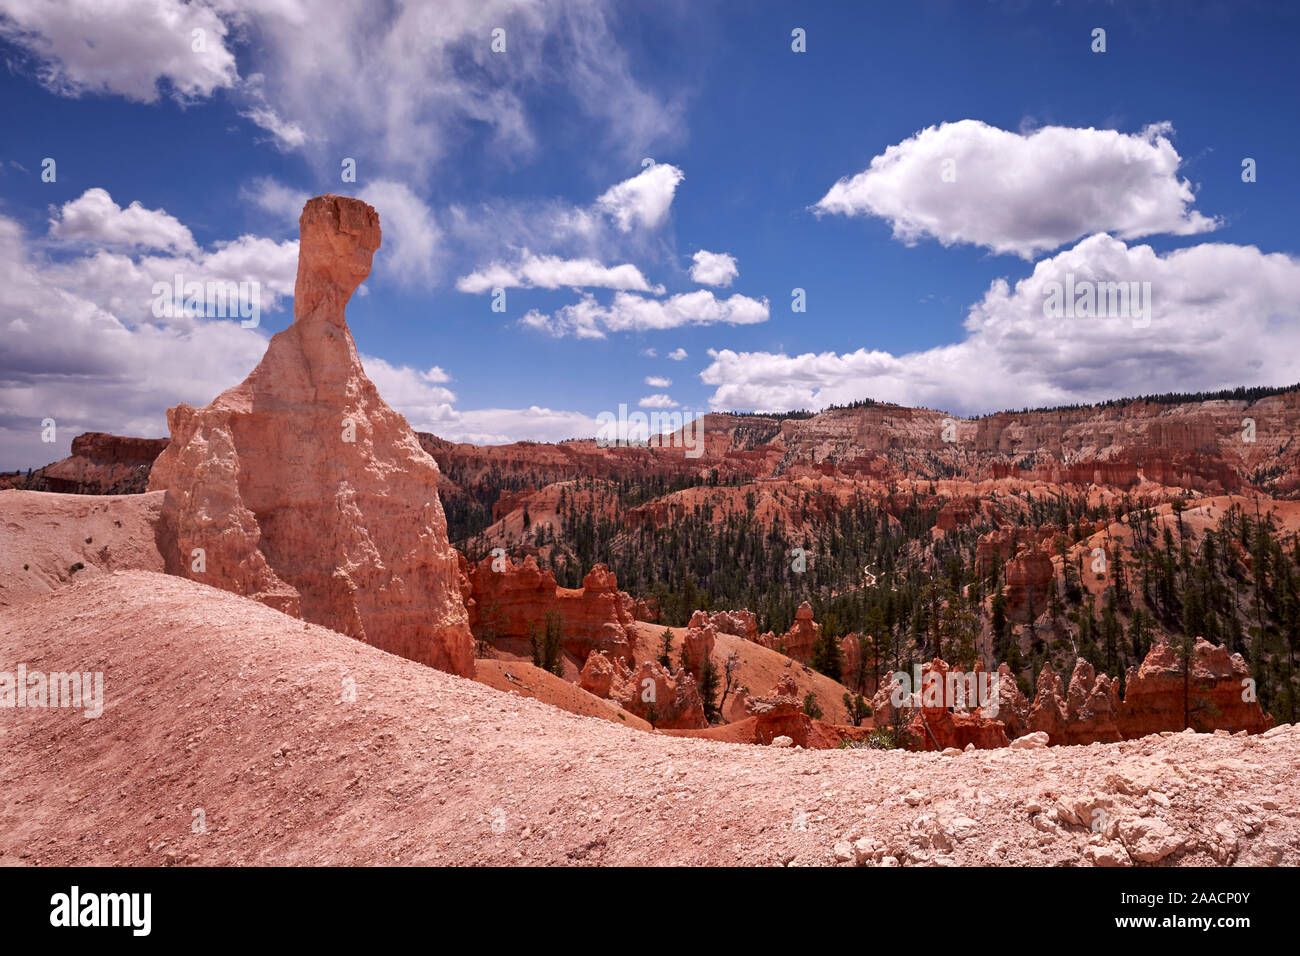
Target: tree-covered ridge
[(885, 573)]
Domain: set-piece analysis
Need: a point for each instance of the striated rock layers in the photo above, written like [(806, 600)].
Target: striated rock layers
[(100, 464), (1219, 693), (508, 600), (301, 488)]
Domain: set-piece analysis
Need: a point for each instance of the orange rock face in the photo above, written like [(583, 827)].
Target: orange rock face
[(957, 514), (780, 714), (1088, 713), (1028, 577), (798, 641), (698, 643), (302, 488), (1219, 694), (1012, 708), (668, 701), (100, 464), (947, 719), (508, 600)]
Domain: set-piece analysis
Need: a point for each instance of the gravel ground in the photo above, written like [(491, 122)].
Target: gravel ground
[(232, 734)]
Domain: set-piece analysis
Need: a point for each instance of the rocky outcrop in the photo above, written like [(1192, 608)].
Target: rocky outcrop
[(957, 513), (597, 674), (669, 701), (1218, 694), (509, 601), (1028, 576), (1012, 708), (1005, 543), (1047, 714), (796, 643), (949, 714), (1091, 706), (100, 464), (780, 714), (741, 623), (697, 643), (302, 488), (1088, 712)]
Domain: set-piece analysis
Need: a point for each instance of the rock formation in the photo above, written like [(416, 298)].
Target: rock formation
[(741, 623), (1091, 706), (780, 714), (698, 643), (1088, 711), (798, 641), (509, 600), (1220, 694), (100, 464), (1028, 576), (1012, 708), (302, 488), (949, 715), (669, 701), (1047, 713)]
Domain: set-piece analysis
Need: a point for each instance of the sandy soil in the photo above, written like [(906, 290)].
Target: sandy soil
[(44, 535), (228, 737), (526, 680)]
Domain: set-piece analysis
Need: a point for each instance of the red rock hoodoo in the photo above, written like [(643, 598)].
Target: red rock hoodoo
[(302, 488), (1219, 693), (508, 600)]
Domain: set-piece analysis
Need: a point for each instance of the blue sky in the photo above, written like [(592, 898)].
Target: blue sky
[(1065, 160)]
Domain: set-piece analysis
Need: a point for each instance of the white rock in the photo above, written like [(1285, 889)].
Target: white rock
[(1032, 741), (782, 741), (863, 851), (1107, 854), (1149, 838)]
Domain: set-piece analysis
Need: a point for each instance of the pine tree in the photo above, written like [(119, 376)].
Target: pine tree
[(665, 648), (709, 689)]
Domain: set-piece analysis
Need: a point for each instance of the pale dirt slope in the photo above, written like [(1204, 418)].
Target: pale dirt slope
[(43, 535), (220, 703)]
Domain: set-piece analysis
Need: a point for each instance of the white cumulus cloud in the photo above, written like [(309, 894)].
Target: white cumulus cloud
[(131, 48), (1221, 315), (713, 268), (1023, 193), (657, 401), (644, 199), (93, 217)]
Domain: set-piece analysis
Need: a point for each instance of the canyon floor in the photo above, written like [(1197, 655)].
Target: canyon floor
[(228, 737)]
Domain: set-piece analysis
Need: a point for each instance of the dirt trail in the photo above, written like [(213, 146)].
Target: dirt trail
[(217, 704)]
